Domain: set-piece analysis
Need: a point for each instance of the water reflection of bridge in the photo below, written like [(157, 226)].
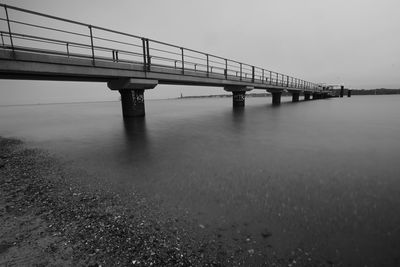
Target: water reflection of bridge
[(44, 47)]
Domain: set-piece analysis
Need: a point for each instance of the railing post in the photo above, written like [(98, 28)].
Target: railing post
[(91, 43), (240, 71), (67, 49), (226, 69), (270, 77), (208, 65), (148, 54), (9, 27), (144, 55), (183, 61), (262, 77), (252, 74)]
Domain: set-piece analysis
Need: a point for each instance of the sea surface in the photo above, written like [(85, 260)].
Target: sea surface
[(319, 179)]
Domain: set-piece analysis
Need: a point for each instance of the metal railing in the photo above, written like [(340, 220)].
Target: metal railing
[(27, 30)]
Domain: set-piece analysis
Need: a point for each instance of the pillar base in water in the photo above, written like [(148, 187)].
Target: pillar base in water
[(307, 96), (295, 97), (238, 98), (348, 93), (239, 94), (132, 94), (276, 98), (132, 103), (341, 91)]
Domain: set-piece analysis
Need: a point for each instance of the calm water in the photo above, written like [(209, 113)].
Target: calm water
[(320, 176)]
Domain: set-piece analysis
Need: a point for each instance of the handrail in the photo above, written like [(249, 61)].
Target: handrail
[(209, 62)]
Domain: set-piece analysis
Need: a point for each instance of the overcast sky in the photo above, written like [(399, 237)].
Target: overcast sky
[(350, 42)]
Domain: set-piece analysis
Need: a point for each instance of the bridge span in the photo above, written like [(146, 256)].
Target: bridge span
[(39, 46)]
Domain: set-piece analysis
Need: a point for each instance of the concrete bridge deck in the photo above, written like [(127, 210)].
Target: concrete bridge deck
[(75, 51)]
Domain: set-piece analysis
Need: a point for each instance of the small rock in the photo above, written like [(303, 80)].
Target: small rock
[(266, 234)]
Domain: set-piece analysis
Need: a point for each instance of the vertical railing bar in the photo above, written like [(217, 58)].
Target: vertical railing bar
[(144, 55), (226, 68), (183, 61), (91, 43), (262, 79), (2, 39), (252, 75), (67, 49), (9, 27), (270, 77), (208, 65), (240, 71), (148, 54)]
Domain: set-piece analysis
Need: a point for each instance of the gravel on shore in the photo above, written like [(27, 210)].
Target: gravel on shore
[(46, 219), (49, 216)]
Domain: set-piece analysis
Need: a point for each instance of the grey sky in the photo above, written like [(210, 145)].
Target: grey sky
[(354, 42)]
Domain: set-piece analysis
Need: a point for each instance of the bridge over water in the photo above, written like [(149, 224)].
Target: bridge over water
[(39, 46)]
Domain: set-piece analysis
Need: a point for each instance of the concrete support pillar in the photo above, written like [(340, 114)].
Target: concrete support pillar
[(276, 98), (341, 91), (239, 94), (132, 94), (238, 98), (307, 96), (295, 96), (348, 93), (132, 103)]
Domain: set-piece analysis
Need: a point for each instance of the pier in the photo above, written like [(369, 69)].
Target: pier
[(37, 46)]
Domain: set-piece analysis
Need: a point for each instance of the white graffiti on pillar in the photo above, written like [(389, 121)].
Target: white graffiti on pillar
[(238, 97), (137, 98)]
